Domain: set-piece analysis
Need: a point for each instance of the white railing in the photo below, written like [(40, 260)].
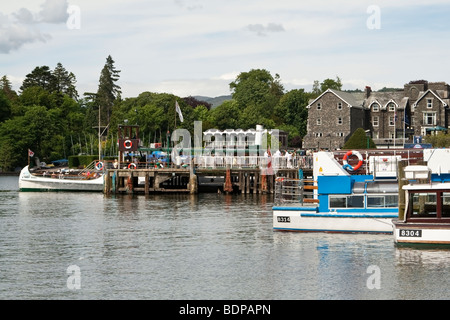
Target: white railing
[(206, 162)]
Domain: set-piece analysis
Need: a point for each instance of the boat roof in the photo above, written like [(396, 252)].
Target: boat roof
[(428, 186)]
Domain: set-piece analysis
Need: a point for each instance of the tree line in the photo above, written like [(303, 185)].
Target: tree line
[(48, 116)]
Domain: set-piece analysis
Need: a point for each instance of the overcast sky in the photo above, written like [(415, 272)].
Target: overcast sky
[(197, 47)]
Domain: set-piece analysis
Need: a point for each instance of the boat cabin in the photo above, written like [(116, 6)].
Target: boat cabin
[(427, 203)]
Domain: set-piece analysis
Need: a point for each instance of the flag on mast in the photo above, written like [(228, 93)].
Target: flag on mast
[(30, 153), (178, 110)]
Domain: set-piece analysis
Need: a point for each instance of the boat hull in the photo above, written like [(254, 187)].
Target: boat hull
[(308, 220), (29, 182), (417, 233)]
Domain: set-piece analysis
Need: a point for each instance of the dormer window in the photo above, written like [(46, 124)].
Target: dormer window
[(391, 106), (375, 107), (429, 103)]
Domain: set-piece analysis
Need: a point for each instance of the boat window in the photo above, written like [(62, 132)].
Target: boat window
[(391, 201), (423, 205), (375, 202), (338, 202), (355, 202), (347, 202), (381, 201), (445, 204)]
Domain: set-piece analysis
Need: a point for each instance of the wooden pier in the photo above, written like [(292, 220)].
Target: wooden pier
[(185, 180)]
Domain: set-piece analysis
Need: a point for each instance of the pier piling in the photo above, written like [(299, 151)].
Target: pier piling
[(186, 180)]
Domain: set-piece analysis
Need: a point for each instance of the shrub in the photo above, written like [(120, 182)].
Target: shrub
[(358, 140)]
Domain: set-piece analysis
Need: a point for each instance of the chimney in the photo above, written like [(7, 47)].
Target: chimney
[(367, 91)]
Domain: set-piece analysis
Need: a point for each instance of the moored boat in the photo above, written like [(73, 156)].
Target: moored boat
[(338, 201), (60, 181), (426, 219)]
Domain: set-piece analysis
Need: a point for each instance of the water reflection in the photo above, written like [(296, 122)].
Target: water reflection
[(206, 246)]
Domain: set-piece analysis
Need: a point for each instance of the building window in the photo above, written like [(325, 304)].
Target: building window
[(319, 121), (339, 105), (340, 134), (319, 134), (391, 121), (391, 106), (391, 135), (319, 106), (339, 121), (429, 118), (375, 121), (375, 107), (429, 103)]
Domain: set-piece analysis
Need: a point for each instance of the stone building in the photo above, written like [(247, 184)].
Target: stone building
[(391, 118)]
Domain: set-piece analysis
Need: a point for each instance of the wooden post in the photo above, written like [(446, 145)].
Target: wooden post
[(401, 193), (228, 187), (247, 183), (146, 187), (255, 182), (193, 183), (106, 179)]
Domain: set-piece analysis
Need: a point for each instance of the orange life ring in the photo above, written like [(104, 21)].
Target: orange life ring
[(99, 165), (132, 166), (128, 144), (349, 167)]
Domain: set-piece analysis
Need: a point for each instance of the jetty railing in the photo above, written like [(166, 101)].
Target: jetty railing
[(294, 191), (215, 162), (205, 162)]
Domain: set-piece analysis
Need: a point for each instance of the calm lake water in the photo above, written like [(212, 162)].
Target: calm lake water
[(208, 246)]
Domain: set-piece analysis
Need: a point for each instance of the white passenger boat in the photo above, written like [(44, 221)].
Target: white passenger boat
[(340, 201), (426, 219), (58, 181)]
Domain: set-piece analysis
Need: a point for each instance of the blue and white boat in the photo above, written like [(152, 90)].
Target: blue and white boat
[(340, 201)]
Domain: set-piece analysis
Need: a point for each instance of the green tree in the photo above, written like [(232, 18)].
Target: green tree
[(6, 87), (5, 106), (256, 93), (64, 82), (331, 84), (39, 77), (316, 89), (108, 91), (256, 87), (221, 116), (291, 110), (359, 140), (38, 96), (438, 140)]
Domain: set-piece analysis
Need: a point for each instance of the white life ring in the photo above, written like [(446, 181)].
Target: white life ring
[(349, 167), (132, 166), (128, 144), (99, 165)]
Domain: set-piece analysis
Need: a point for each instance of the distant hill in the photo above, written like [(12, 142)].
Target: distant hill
[(215, 102)]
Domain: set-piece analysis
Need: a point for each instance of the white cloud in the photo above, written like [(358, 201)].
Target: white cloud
[(54, 11), (23, 26), (191, 47), (262, 30)]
